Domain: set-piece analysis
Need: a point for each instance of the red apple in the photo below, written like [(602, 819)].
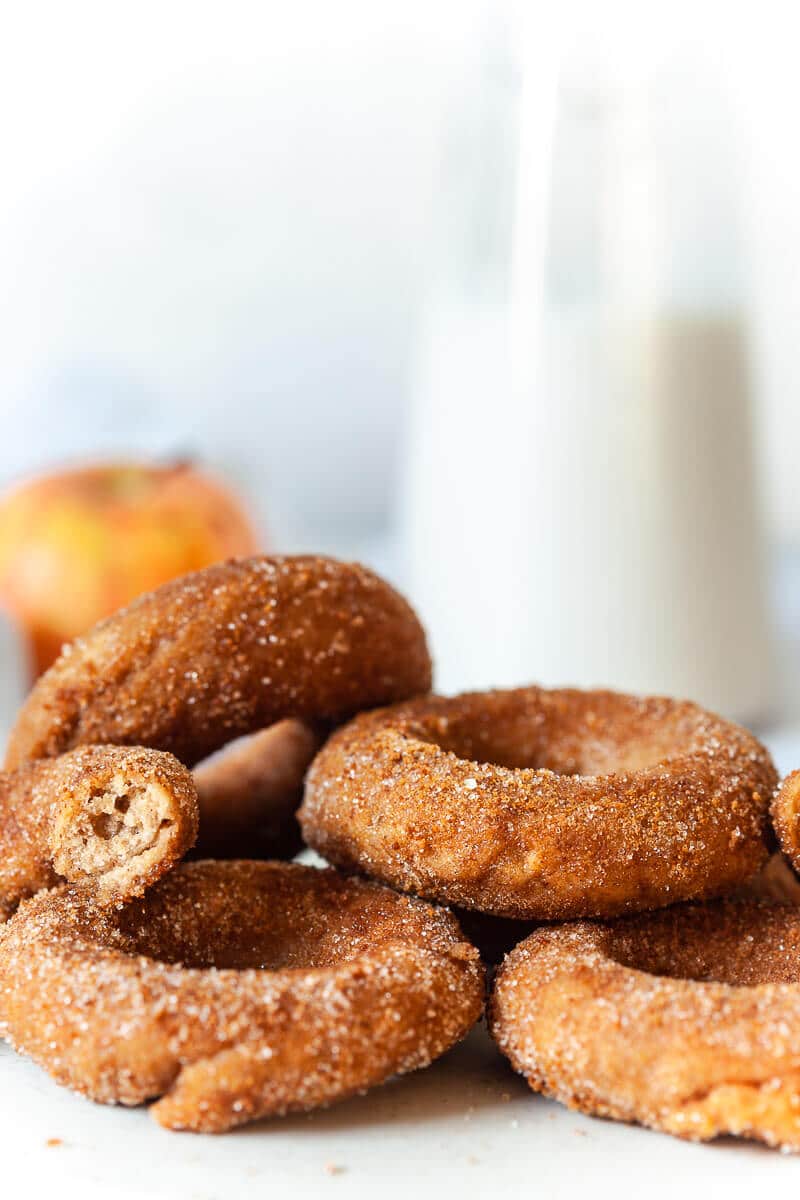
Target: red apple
[(78, 544)]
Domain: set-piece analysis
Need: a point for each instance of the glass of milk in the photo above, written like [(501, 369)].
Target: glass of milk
[(580, 503)]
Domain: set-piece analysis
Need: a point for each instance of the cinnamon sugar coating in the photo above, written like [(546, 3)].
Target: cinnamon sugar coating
[(250, 791), (112, 818), (775, 881), (538, 804), (224, 652), (786, 817), (686, 1020), (235, 990)]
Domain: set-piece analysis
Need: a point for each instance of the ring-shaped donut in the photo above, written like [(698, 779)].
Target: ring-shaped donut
[(235, 990), (685, 1020), (111, 818), (224, 652), (540, 804)]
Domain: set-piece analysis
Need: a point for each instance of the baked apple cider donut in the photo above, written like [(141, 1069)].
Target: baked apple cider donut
[(786, 818), (235, 990), (225, 652), (685, 1020), (249, 793), (540, 805), (775, 881), (112, 818)]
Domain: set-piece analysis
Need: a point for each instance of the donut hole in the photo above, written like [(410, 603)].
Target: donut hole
[(288, 925), (113, 831), (742, 944), (566, 732)]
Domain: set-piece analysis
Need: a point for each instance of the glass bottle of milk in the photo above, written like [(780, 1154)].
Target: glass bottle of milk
[(585, 510)]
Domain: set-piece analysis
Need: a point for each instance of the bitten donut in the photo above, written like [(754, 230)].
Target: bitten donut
[(539, 804), (686, 1020), (250, 791), (235, 990), (113, 818), (225, 652), (786, 818)]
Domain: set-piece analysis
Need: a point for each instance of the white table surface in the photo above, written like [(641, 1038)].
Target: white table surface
[(467, 1123)]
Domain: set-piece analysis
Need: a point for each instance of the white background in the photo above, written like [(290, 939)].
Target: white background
[(214, 228)]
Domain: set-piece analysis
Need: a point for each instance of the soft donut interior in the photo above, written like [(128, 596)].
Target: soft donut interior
[(743, 944), (113, 833), (569, 733)]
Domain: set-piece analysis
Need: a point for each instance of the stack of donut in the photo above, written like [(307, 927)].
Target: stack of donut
[(618, 847)]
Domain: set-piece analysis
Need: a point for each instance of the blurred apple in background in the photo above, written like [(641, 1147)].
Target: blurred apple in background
[(77, 544)]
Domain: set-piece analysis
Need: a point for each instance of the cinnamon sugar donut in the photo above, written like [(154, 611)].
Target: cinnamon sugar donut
[(786, 817), (775, 881), (224, 652), (110, 817), (686, 1020), (235, 990), (539, 804), (249, 793)]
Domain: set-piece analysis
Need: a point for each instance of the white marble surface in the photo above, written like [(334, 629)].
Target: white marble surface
[(466, 1123)]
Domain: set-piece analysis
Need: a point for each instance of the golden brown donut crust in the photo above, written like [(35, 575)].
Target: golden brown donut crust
[(775, 881), (249, 793), (112, 818), (540, 804), (685, 1020), (235, 990), (224, 652), (786, 818)]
